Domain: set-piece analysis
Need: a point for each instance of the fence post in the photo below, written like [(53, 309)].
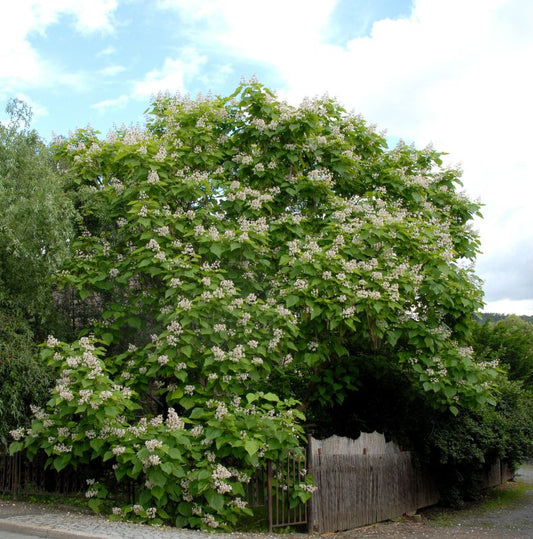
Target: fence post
[(310, 471), (269, 496), (15, 474)]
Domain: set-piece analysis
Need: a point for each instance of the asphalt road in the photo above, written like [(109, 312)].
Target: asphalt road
[(11, 535)]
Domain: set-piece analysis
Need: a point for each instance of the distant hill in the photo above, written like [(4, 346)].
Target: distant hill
[(495, 317)]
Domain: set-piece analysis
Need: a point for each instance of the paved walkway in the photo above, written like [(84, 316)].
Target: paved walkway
[(44, 521)]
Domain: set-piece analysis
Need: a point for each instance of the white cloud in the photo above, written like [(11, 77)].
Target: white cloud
[(276, 32), (171, 77), (22, 65), (113, 104), (108, 51), (111, 71), (89, 16), (505, 306)]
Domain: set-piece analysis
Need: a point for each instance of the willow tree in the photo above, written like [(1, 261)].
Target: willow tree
[(35, 227), (231, 240)]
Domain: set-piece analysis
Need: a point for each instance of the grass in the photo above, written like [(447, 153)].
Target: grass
[(492, 500)]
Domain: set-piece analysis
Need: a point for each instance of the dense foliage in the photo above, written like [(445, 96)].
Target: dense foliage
[(239, 252), (462, 449), (510, 340), (459, 450), (35, 225)]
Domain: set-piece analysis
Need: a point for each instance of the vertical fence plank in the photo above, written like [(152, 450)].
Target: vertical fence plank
[(363, 481)]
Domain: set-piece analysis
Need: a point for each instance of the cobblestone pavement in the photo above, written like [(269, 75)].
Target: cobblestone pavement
[(44, 521), (515, 521)]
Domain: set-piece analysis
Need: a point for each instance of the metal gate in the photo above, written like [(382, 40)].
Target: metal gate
[(274, 487)]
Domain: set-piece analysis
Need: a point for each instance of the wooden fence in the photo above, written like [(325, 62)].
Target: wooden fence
[(358, 482), (364, 481), (497, 474), (20, 476)]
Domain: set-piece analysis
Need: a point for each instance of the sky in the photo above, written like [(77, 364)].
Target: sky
[(452, 73)]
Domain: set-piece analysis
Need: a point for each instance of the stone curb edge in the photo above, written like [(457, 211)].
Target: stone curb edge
[(46, 533)]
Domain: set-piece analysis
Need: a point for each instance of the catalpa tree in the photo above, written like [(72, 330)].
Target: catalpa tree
[(232, 240)]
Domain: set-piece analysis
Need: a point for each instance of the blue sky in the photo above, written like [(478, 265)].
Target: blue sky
[(453, 73)]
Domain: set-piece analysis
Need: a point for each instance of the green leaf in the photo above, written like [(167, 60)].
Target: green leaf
[(316, 311), (96, 444), (393, 336), (158, 492), (197, 413), (217, 249), (185, 509), (291, 300), (145, 497), (95, 504), (107, 338), (215, 500), (187, 402), (15, 446), (181, 522), (251, 397), (450, 391), (186, 350), (211, 433), (62, 461), (174, 453), (134, 322), (175, 395), (156, 477), (120, 473), (251, 446)]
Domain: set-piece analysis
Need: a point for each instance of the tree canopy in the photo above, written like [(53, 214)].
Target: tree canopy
[(35, 227), (510, 340), (234, 244)]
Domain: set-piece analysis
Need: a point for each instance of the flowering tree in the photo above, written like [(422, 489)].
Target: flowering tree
[(231, 240)]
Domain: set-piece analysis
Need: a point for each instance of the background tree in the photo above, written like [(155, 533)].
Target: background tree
[(35, 228), (511, 341)]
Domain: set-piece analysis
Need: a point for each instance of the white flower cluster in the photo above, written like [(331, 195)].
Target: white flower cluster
[(321, 177), (151, 460), (173, 420), (209, 520), (152, 445), (62, 448), (221, 472), (239, 503), (18, 434), (307, 488), (51, 341), (153, 176), (197, 431), (221, 412)]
